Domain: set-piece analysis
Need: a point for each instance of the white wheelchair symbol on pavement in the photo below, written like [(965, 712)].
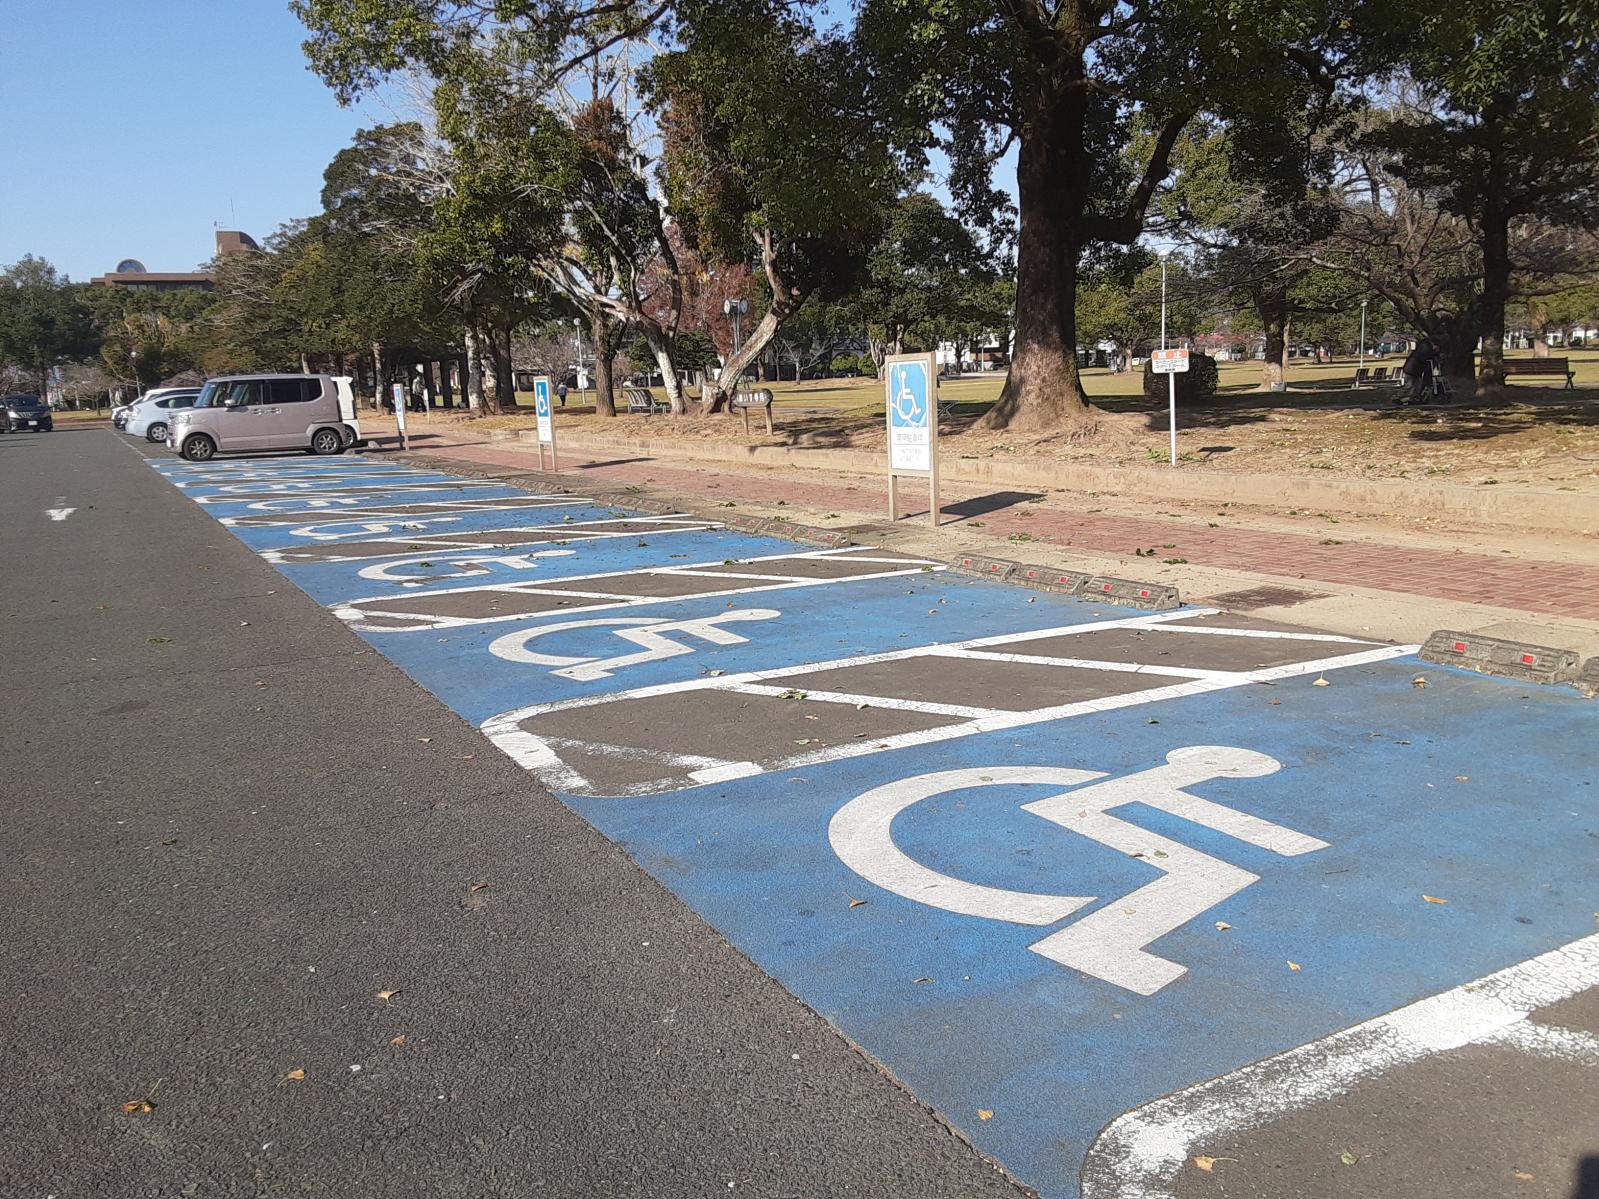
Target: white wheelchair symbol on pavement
[(908, 406), (1109, 943), (645, 631), (413, 572)]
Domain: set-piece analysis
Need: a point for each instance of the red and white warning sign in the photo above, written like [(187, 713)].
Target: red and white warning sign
[(1168, 362)]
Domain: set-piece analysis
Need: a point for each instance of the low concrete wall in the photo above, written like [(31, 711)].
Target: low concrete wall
[(1561, 511)]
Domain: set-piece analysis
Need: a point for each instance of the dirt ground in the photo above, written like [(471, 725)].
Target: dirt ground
[(1546, 437)]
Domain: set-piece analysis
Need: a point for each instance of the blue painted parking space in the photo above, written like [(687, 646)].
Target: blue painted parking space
[(1046, 860)]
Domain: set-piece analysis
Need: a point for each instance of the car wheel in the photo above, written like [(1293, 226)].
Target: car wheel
[(156, 433), (327, 441), (199, 448)]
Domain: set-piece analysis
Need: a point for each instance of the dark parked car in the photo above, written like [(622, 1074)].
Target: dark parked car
[(24, 413)]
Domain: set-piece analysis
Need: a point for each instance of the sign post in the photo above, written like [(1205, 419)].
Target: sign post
[(911, 397), (546, 420), (1170, 363), (398, 392)]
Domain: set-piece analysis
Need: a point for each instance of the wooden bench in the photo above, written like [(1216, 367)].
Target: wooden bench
[(1533, 367), (642, 402)]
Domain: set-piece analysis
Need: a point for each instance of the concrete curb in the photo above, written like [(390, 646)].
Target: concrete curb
[(1561, 511), (1155, 597)]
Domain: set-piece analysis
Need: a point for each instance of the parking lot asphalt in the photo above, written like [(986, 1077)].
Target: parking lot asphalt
[(1139, 903), (258, 880)]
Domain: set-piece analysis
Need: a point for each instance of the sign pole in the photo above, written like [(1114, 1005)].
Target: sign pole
[(545, 419), (911, 411), (1170, 363), (398, 392), (1171, 406)]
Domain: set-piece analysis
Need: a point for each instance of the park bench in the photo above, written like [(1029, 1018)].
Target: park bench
[(1365, 375), (1533, 367), (642, 402)]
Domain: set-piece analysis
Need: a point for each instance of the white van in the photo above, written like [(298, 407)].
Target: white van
[(239, 414)]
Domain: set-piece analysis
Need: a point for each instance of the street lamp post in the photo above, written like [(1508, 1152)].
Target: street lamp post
[(1171, 379), (1361, 373)]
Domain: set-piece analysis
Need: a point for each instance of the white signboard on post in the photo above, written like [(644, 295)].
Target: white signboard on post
[(398, 392), (1168, 362), (911, 398), (545, 418)]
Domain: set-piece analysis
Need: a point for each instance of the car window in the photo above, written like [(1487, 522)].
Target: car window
[(164, 403), (183, 401), (292, 391)]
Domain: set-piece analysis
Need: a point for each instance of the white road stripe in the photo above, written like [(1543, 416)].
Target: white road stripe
[(1140, 1154), (1267, 634), (1178, 672), (576, 531)]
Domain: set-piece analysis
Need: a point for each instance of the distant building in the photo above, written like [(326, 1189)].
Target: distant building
[(130, 272)]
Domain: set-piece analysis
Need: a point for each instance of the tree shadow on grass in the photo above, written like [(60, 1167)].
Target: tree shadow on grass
[(1484, 422)]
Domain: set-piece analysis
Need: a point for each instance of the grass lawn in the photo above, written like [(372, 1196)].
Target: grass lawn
[(1545, 437)]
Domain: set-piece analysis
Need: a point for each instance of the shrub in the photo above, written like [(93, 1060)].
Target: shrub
[(1198, 383)]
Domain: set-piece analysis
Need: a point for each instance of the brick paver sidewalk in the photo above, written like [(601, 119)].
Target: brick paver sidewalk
[(1555, 588)]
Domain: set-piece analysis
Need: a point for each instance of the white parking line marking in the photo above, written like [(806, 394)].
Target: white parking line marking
[(528, 749), (359, 617), (1140, 1153), (587, 530)]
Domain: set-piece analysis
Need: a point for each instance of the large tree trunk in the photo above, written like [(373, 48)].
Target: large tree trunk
[(504, 379), (604, 334), (1042, 389), (1495, 294), (1271, 303), (786, 300), (1540, 344), (379, 381), (474, 371)]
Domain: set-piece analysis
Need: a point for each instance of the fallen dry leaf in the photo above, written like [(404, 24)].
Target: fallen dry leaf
[(1433, 899), (397, 1041), (1348, 1158), (1207, 1164), (1293, 966), (142, 1107), (855, 903), (1418, 681), (475, 887), (1523, 1176), (921, 980), (1222, 926), (388, 995), (295, 1075), (1461, 778), (1321, 682), (424, 740)]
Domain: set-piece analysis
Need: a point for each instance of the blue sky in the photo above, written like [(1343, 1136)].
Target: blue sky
[(129, 126)]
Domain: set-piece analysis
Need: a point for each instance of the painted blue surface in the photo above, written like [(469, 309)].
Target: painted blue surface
[(1476, 790)]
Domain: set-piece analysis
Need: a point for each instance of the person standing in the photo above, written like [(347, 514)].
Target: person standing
[(1416, 371), (560, 392)]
